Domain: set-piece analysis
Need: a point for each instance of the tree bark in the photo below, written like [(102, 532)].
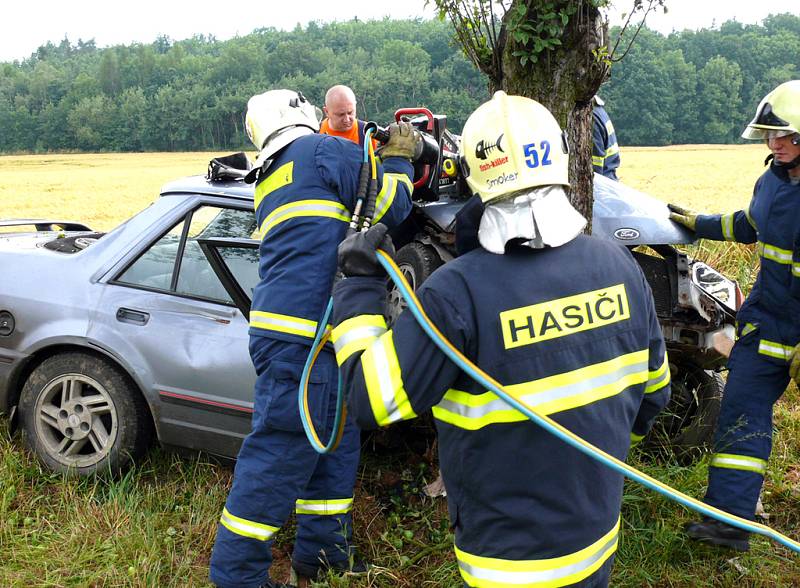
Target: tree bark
[(564, 80)]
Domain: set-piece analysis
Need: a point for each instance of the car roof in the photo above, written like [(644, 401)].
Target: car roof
[(235, 189)]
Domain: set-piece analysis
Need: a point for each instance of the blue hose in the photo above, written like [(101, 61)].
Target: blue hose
[(302, 392), (564, 434)]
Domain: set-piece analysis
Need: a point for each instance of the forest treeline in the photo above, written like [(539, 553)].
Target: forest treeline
[(686, 87)]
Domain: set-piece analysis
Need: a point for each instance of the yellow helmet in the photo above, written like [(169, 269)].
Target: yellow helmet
[(512, 143), (778, 114)]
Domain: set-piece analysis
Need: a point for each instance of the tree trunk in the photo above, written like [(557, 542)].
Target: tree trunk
[(564, 80)]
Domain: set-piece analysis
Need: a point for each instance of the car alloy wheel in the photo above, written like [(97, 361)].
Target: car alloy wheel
[(81, 414)]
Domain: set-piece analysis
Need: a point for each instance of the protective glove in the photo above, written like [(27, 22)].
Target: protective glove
[(357, 255), (404, 141), (794, 364), (683, 216)]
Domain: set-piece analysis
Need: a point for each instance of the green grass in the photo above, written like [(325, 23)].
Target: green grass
[(155, 526)]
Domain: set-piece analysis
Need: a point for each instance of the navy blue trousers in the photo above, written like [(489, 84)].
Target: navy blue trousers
[(743, 440), (278, 472)]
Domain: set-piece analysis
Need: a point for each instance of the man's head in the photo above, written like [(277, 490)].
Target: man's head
[(340, 108), (777, 121)]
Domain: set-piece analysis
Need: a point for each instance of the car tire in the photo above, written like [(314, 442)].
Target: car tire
[(685, 428), (82, 415), (416, 262)]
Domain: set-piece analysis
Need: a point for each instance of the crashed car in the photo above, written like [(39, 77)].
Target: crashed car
[(109, 342)]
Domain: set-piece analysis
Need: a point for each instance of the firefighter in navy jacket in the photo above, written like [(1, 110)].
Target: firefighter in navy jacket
[(768, 324), (605, 149), (563, 320), (304, 198)]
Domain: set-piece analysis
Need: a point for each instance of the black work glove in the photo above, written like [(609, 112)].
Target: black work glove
[(357, 255)]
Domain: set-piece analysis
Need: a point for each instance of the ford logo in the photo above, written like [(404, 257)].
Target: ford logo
[(626, 234)]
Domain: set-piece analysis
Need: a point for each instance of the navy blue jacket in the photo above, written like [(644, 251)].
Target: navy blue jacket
[(303, 206), (605, 150), (573, 331), (772, 220)]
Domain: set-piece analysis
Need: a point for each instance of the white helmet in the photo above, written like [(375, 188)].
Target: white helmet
[(512, 143), (278, 117)]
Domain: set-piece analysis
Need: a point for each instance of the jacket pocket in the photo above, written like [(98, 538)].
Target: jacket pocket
[(282, 385)]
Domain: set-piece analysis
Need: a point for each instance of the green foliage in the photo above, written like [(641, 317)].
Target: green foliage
[(538, 27), (688, 87)]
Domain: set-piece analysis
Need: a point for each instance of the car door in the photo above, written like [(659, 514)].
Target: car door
[(182, 336)]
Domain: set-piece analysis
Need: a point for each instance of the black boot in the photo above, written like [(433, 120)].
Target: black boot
[(718, 533)]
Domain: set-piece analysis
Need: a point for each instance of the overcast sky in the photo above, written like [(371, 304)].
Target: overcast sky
[(27, 24)]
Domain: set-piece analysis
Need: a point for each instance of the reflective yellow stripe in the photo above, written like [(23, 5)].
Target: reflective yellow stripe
[(612, 150), (324, 208), (748, 328), (490, 572), (739, 462), (597, 160), (356, 334), (324, 507), (775, 254), (388, 191), (658, 379), (609, 127), (387, 396), (546, 395), (750, 218), (727, 227), (283, 323), (246, 528), (796, 269), (774, 349), (277, 179)]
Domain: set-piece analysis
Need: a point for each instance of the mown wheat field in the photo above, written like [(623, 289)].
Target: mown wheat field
[(155, 526)]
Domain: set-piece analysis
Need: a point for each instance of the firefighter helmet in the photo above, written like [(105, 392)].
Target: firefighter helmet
[(778, 114), (276, 118), (510, 144)]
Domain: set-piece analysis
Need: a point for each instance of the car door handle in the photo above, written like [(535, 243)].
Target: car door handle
[(134, 317)]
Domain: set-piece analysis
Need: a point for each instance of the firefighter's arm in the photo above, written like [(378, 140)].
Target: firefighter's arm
[(736, 226), (393, 203), (657, 388), (390, 375)]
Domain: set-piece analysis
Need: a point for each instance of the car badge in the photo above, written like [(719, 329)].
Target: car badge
[(626, 234)]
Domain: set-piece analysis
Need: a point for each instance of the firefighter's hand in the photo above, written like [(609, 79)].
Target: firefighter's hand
[(357, 255), (403, 141), (683, 216), (794, 364)]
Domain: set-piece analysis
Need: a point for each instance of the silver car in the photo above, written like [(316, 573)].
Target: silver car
[(107, 340)]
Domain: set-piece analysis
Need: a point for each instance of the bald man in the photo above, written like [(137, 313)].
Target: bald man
[(340, 112)]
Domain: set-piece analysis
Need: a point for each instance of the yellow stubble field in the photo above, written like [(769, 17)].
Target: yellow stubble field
[(104, 190)]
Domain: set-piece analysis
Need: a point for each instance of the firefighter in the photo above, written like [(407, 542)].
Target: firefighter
[(340, 113), (306, 185), (768, 323), (565, 321), (605, 149)]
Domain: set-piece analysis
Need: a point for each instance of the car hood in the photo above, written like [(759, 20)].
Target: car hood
[(625, 215)]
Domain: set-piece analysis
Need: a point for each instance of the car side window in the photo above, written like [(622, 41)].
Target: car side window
[(178, 251)]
